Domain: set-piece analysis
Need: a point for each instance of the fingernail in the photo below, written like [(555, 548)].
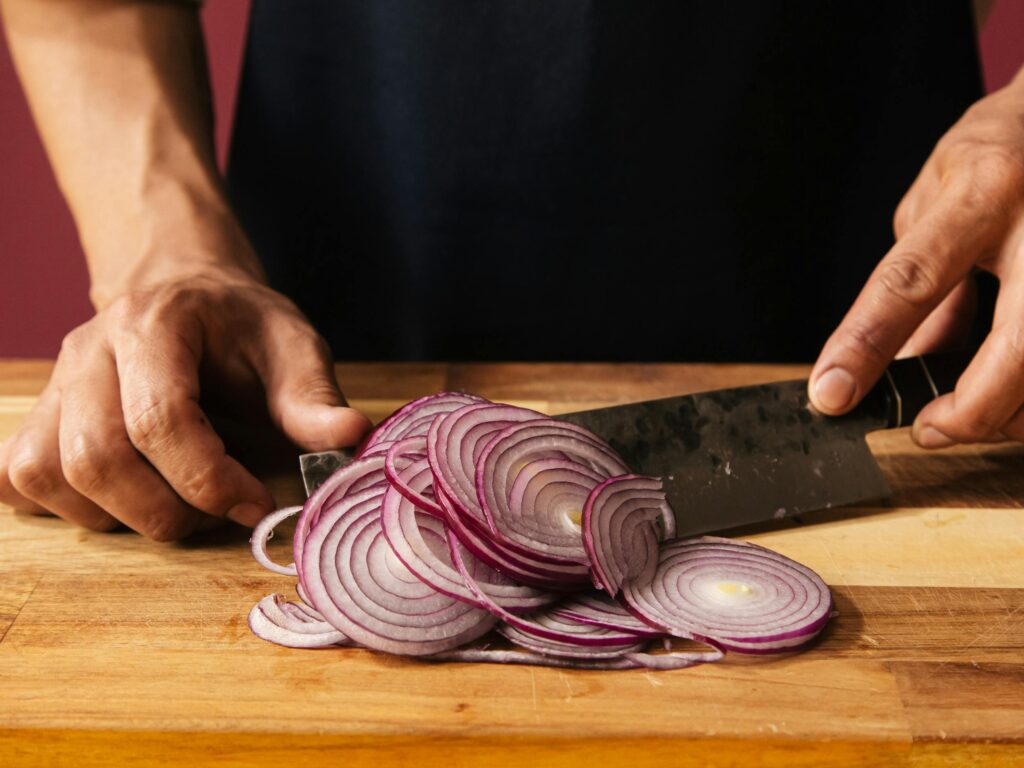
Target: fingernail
[(929, 437), (247, 513), (835, 389)]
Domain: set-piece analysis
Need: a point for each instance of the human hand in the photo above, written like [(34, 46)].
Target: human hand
[(964, 211), (118, 435)]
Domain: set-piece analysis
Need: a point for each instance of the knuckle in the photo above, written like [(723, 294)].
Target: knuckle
[(988, 177), (865, 341), (910, 279), (33, 474), (999, 167), (166, 527), (88, 466), (207, 490), (899, 220), (149, 420), (1011, 340), (74, 343), (125, 308)]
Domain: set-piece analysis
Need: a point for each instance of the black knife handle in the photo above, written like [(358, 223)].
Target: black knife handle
[(908, 385)]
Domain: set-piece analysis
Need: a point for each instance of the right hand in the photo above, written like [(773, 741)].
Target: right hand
[(118, 435)]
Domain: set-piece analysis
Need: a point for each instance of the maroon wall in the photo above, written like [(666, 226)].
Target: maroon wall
[(43, 282)]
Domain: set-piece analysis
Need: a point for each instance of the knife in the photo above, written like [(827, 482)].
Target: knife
[(732, 457)]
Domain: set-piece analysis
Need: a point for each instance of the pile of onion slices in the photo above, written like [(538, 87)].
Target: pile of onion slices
[(461, 516)]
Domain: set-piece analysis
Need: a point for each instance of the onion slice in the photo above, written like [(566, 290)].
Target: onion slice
[(355, 580), (454, 444), (523, 568), (362, 476), (269, 621), (623, 524), (401, 454), (262, 533), (733, 594), (414, 419), (544, 626), (600, 610), (661, 661), (541, 532), (420, 542)]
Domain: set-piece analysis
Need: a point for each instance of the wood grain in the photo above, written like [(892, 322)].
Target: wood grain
[(988, 704), (115, 650)]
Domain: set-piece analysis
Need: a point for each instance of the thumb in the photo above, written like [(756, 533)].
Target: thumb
[(302, 393)]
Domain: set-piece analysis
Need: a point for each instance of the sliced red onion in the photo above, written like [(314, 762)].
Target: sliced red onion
[(363, 475), (733, 594), (460, 512), (401, 454), (414, 419), (301, 592), (262, 533), (522, 568), (420, 542), (454, 444), (500, 656), (269, 621), (622, 528), (570, 649), (302, 612), (360, 586), (509, 453), (602, 611), (542, 625), (546, 502), (661, 661)]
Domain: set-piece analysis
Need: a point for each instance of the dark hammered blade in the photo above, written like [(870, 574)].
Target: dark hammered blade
[(740, 456), (317, 467)]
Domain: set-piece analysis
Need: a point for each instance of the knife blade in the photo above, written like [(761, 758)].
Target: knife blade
[(745, 455)]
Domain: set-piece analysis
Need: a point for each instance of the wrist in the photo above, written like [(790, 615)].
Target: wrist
[(174, 231)]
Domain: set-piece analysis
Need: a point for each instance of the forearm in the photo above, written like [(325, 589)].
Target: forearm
[(121, 97)]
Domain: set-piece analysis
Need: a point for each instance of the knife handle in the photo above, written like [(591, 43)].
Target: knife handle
[(910, 384)]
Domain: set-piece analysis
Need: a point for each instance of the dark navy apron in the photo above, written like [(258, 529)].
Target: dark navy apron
[(564, 179)]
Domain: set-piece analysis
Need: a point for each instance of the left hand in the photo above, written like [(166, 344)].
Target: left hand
[(964, 211)]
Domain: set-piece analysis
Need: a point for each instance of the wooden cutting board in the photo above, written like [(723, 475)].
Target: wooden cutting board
[(119, 651)]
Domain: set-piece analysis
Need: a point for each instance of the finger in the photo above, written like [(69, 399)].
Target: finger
[(302, 394), (101, 463), (8, 495), (949, 324), (159, 383), (917, 201), (1014, 428), (35, 469), (910, 282), (991, 390)]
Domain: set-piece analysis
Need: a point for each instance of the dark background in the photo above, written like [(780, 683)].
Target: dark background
[(43, 282)]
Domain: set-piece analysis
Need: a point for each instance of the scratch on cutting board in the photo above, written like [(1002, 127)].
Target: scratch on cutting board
[(653, 680), (1007, 623), (839, 572), (938, 521), (17, 614), (533, 687), (565, 681)]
